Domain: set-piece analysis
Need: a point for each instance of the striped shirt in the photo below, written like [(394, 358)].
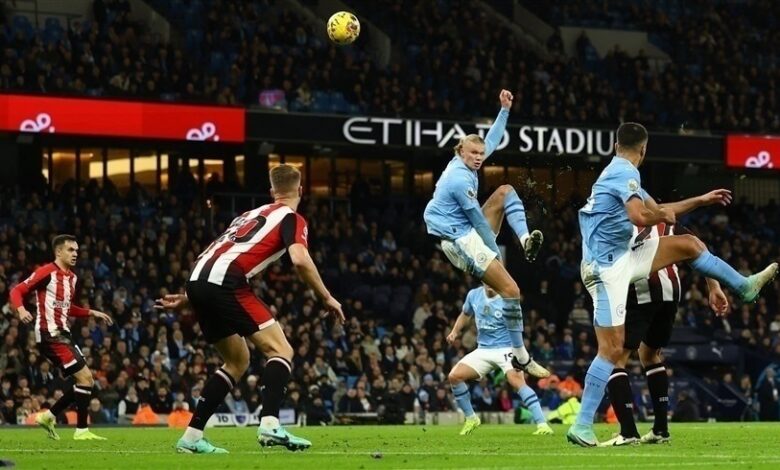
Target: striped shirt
[(254, 240), (54, 290), (662, 285)]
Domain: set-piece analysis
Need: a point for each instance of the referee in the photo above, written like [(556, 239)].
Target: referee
[(651, 309)]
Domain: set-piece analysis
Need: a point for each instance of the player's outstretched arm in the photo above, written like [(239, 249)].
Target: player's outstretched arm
[(719, 303), (643, 215), (307, 270), (171, 302), (460, 323), (718, 196), (496, 132)]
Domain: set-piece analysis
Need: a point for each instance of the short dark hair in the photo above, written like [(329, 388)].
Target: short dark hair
[(631, 134), (60, 240)]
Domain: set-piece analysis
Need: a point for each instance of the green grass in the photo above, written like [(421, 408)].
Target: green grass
[(738, 445)]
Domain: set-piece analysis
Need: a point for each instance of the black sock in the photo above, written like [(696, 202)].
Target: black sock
[(658, 384), (64, 402), (275, 378), (214, 392), (622, 402), (83, 395)]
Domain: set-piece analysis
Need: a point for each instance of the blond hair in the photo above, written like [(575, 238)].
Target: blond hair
[(285, 178), (473, 138)]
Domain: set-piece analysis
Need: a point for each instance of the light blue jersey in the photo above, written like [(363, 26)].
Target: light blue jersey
[(604, 224), (489, 315), (454, 209)]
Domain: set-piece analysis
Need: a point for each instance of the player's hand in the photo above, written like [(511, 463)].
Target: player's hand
[(103, 316), (171, 302), (452, 337), (719, 303), (334, 308), (506, 98), (667, 216), (24, 315), (719, 196)]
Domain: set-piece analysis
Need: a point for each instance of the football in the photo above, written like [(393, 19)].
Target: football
[(343, 28)]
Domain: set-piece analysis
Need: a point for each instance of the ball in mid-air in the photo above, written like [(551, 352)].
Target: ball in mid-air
[(343, 28)]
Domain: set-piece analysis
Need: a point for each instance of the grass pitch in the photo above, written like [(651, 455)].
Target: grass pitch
[(726, 445)]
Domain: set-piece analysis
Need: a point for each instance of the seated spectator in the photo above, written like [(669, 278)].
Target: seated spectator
[(97, 415)]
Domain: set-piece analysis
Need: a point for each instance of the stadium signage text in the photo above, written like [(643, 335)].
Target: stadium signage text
[(121, 119), (362, 130)]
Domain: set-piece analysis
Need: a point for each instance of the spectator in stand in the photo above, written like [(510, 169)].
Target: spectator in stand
[(97, 415), (769, 396)]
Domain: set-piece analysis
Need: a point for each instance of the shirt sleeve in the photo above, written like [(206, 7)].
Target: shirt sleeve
[(626, 184), (466, 196), (294, 230), (496, 132), (33, 282), (78, 311), (468, 308)]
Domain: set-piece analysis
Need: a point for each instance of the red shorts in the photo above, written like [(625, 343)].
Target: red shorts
[(223, 312), (61, 351)]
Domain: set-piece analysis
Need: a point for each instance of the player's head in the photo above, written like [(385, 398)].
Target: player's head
[(631, 140), (471, 149), (286, 182), (66, 249)]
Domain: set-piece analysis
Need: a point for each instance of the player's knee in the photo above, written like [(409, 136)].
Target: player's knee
[(455, 377), (693, 246), (611, 350), (84, 378), (510, 291), (649, 356), (504, 190)]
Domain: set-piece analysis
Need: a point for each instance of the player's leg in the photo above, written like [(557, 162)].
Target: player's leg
[(530, 400), (497, 278), (657, 337), (676, 248), (83, 394), (278, 367), (235, 355), (465, 370), (505, 201)]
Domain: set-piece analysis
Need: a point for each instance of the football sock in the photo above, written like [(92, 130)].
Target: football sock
[(64, 402), (82, 396), (714, 267), (462, 397), (515, 214), (595, 382), (275, 378), (658, 384), (513, 318), (622, 402), (214, 392), (531, 401)]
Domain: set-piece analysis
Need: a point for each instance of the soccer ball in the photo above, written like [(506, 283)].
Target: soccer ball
[(343, 28)]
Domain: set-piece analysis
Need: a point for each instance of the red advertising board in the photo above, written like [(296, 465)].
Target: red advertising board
[(753, 151), (109, 118)]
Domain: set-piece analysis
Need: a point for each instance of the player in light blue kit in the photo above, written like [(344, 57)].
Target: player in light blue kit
[(611, 262), (454, 215), (494, 351)]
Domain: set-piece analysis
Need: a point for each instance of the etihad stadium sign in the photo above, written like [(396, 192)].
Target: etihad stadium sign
[(381, 135), (361, 130)]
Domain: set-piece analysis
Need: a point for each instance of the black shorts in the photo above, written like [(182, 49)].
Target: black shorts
[(61, 351), (649, 323), (223, 312)]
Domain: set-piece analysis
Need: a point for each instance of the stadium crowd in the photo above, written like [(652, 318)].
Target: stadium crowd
[(235, 52), (400, 296)]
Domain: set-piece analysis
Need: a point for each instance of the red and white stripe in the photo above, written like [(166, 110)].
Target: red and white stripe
[(663, 285), (53, 300)]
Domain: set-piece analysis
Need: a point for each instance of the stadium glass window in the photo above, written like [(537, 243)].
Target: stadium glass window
[(164, 171), (519, 178), (146, 168), (423, 182), (396, 171), (543, 184), (45, 163), (241, 169), (211, 167), (91, 163), (346, 172), (320, 172), (296, 161), (118, 168), (565, 186), (63, 166), (371, 171), (493, 177)]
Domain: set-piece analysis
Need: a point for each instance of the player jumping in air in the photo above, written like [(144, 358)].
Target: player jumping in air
[(54, 286), (228, 311), (610, 262), (651, 308), (494, 351), (454, 215)]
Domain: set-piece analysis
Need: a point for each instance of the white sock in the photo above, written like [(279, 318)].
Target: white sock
[(270, 422), (81, 430), (192, 434), (523, 239), (521, 354)]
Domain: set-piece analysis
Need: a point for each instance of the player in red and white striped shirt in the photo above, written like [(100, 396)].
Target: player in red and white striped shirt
[(228, 311), (54, 286)]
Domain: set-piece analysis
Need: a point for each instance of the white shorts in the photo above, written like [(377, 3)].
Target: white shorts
[(485, 360), (469, 253), (608, 286)]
